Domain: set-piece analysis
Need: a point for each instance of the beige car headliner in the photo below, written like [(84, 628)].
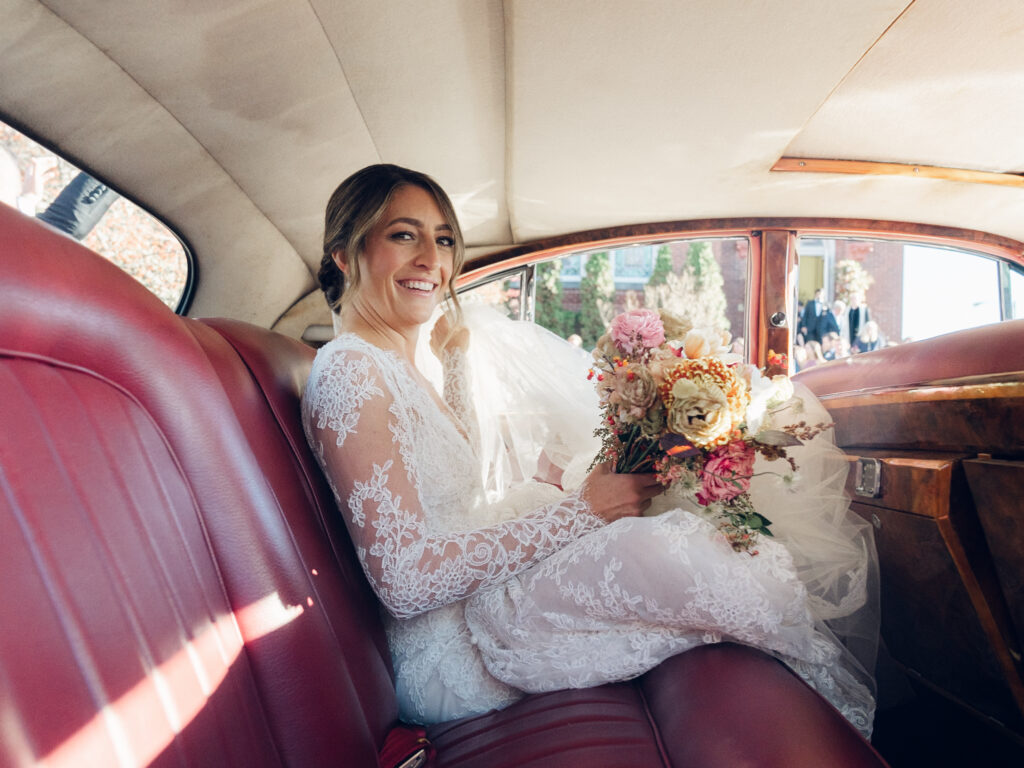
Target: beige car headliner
[(234, 120)]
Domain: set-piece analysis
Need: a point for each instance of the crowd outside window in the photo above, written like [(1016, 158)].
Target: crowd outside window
[(835, 332)]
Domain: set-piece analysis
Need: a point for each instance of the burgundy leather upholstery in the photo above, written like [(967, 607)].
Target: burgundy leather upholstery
[(176, 587), (989, 349)]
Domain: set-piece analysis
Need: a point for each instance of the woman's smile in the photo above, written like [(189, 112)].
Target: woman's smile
[(419, 287)]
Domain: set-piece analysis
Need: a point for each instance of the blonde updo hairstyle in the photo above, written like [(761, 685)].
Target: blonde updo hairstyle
[(354, 209)]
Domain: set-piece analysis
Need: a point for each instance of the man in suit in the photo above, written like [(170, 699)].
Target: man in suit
[(809, 320), (833, 320), (859, 315)]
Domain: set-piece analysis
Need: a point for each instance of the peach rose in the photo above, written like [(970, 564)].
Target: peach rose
[(700, 343)]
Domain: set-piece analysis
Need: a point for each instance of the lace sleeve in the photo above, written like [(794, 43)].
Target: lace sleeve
[(351, 422), (457, 393)]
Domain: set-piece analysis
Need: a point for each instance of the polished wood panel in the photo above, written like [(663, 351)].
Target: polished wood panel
[(779, 270), (1012, 388), (998, 490), (871, 168), (945, 608), (987, 419), (929, 621), (911, 483), (934, 486)]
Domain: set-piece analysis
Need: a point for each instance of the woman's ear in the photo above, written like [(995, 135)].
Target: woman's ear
[(338, 255)]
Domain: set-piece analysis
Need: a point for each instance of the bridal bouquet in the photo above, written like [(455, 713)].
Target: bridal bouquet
[(676, 402)]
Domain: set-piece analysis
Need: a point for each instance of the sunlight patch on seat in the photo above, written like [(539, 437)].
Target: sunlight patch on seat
[(141, 723), (266, 615)]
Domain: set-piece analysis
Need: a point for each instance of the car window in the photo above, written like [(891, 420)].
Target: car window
[(1015, 288), (855, 295), (702, 281), (503, 292), (42, 184)]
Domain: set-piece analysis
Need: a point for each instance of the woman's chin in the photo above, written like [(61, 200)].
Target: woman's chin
[(419, 318)]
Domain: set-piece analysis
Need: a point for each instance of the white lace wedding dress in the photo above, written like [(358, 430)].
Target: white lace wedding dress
[(531, 592)]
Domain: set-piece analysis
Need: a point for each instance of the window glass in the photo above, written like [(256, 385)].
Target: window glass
[(39, 183), (1016, 293), (504, 293), (857, 295), (945, 291), (702, 281)]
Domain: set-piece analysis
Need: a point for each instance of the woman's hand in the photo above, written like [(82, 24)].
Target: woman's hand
[(611, 495), (443, 338)]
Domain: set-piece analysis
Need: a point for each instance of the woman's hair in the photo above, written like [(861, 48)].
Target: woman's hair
[(356, 206)]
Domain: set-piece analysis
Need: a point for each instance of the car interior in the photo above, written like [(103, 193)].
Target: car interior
[(178, 586)]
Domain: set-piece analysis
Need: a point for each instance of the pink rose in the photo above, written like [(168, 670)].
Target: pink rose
[(637, 331), (726, 473)]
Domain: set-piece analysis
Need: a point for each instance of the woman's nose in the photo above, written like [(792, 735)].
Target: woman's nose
[(428, 255)]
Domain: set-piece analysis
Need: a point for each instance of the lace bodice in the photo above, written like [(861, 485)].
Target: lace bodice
[(406, 479)]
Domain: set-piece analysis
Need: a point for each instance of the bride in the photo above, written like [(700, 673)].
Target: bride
[(498, 583)]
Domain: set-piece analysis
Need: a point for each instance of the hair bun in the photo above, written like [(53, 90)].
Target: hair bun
[(332, 281)]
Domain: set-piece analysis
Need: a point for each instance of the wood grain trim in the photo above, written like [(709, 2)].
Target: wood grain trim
[(925, 394), (994, 620), (777, 265), (919, 486), (933, 486), (550, 247), (994, 426), (869, 168)]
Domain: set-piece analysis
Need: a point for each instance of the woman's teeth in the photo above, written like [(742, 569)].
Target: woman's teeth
[(417, 285)]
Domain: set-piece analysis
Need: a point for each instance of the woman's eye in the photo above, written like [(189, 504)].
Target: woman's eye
[(446, 242), (402, 236)]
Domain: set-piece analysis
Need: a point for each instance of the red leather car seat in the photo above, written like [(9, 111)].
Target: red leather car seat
[(168, 593)]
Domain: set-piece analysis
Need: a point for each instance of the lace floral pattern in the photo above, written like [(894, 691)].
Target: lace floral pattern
[(414, 531), (602, 610), (534, 594), (457, 393), (414, 570), (340, 409)]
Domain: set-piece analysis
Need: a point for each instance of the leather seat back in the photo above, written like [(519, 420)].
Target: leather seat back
[(167, 595)]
